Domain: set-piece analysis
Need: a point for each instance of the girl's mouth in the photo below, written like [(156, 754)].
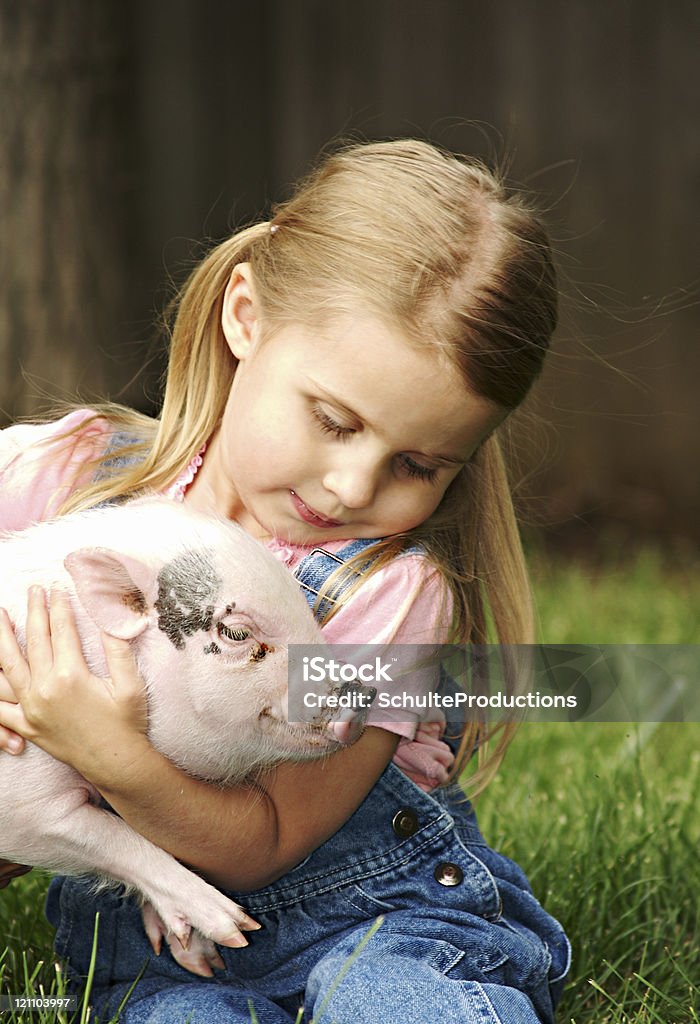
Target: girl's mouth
[(310, 516)]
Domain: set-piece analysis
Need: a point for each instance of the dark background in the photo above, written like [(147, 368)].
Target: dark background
[(134, 132)]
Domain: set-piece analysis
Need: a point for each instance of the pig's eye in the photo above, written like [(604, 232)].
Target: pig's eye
[(231, 633)]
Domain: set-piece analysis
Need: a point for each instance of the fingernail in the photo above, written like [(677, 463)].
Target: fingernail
[(14, 745)]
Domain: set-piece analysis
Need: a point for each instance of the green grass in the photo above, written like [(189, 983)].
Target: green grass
[(604, 818), (643, 601)]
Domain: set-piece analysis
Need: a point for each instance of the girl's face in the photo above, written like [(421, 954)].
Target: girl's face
[(348, 432)]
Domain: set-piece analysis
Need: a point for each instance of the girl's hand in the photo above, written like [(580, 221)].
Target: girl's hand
[(87, 722), (8, 871), (10, 741)]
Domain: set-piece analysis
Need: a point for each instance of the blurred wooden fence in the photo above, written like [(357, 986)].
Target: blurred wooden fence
[(132, 130)]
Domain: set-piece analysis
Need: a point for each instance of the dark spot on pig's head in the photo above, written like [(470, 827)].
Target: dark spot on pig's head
[(212, 648), (259, 652), (135, 601), (187, 590)]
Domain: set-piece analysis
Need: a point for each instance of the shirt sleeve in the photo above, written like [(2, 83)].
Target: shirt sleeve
[(406, 602), (39, 465)]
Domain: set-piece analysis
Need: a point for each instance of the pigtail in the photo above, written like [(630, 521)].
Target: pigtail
[(502, 583), (198, 381)]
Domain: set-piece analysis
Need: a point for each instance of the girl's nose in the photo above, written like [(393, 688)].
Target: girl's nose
[(354, 485)]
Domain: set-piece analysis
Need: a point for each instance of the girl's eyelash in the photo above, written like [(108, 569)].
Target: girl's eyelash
[(412, 469), (329, 426), (416, 471)]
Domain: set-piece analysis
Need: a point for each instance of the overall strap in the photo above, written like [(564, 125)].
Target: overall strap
[(119, 440), (315, 568)]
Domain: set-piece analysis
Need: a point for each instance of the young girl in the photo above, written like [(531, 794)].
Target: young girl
[(337, 374)]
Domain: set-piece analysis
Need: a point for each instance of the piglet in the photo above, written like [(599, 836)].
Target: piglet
[(209, 613)]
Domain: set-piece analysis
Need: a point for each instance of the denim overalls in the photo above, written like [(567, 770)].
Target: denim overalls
[(462, 939)]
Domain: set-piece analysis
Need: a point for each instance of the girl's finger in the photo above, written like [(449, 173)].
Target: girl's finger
[(10, 742), (39, 646), (12, 718), (128, 689), (122, 667), (15, 670), (6, 691), (65, 639)]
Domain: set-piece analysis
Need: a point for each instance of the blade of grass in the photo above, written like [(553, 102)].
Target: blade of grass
[(347, 965)]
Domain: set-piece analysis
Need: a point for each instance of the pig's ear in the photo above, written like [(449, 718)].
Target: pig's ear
[(112, 588)]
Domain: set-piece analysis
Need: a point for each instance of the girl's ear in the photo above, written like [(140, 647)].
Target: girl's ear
[(239, 315)]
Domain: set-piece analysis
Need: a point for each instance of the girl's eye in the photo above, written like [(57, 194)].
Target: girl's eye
[(412, 469), (232, 632), (330, 426), (415, 471)]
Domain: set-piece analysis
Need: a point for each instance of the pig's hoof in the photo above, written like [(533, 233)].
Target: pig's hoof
[(200, 957), (153, 926), (181, 932), (215, 916)]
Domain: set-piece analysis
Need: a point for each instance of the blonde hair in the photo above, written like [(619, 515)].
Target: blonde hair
[(435, 246)]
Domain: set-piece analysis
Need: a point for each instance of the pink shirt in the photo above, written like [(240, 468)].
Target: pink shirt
[(401, 603)]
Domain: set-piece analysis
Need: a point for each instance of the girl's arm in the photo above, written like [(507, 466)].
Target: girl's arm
[(242, 837), (247, 836)]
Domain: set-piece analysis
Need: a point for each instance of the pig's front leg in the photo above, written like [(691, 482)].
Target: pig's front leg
[(95, 841)]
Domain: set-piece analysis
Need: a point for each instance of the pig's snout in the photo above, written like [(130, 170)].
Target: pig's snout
[(346, 731), (354, 703)]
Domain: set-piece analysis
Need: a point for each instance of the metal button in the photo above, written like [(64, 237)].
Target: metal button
[(405, 822), (448, 874)]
